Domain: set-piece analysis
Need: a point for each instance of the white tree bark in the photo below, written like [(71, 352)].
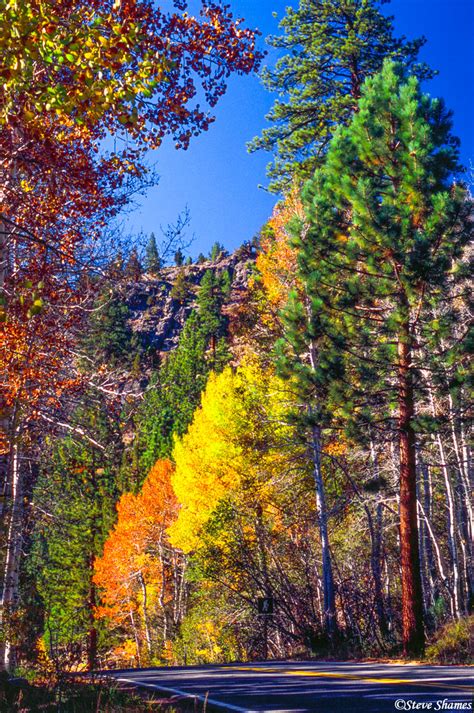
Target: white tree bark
[(11, 567)]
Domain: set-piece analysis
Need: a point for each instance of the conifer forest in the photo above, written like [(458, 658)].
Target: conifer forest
[(184, 436)]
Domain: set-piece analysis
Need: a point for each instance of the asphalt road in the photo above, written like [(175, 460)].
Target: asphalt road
[(299, 687)]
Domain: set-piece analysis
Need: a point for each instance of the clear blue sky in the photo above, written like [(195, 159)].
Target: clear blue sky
[(219, 180)]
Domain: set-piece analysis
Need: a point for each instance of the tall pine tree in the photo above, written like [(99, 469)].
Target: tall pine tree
[(331, 47), (152, 256), (383, 246)]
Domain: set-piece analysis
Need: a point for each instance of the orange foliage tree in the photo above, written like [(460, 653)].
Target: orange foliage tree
[(256, 323), (139, 574), (277, 258)]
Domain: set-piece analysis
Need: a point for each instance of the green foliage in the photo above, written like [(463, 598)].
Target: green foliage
[(206, 634), (217, 251), (178, 258), (175, 392), (389, 264), (332, 47), (213, 291), (152, 257), (74, 502), (182, 288), (453, 644), (108, 337)]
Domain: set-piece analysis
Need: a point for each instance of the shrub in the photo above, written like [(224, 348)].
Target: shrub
[(453, 644)]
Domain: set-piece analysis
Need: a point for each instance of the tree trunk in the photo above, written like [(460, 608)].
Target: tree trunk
[(6, 462), (135, 636), (465, 489), (469, 489), (451, 531), (430, 587), (260, 532), (412, 593), (161, 596), (11, 568), (329, 601), (92, 635), (146, 623), (451, 515), (376, 530)]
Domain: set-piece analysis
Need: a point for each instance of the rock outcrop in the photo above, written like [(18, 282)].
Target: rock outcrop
[(158, 314)]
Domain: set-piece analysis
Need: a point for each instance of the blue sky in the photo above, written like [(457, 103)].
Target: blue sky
[(219, 181)]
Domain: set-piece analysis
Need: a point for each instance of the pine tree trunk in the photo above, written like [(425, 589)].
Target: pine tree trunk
[(412, 593)]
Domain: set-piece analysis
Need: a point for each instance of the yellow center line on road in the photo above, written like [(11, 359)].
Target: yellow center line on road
[(352, 677)]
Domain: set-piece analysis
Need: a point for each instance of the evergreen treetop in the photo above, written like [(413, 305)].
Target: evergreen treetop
[(332, 46), (217, 251), (385, 232), (133, 266), (152, 258), (182, 288), (179, 258)]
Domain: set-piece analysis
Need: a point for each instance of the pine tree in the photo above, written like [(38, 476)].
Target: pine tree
[(178, 258), (332, 46), (182, 288), (152, 258), (74, 504), (133, 267), (169, 405), (109, 338), (213, 291), (385, 236), (217, 251)]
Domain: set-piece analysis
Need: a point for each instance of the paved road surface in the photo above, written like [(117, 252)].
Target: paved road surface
[(298, 687)]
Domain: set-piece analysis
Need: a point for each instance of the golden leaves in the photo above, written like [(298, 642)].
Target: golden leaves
[(225, 451), (277, 259)]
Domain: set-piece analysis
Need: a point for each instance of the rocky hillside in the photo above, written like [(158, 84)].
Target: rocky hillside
[(160, 305)]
